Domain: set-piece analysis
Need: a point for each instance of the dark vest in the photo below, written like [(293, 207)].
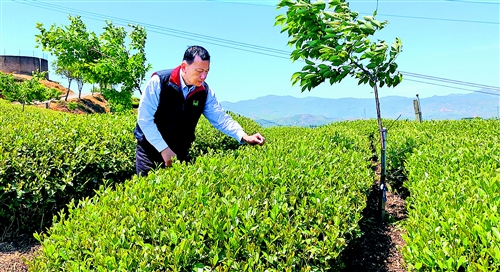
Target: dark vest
[(176, 117)]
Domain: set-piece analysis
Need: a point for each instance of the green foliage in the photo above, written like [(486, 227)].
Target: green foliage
[(403, 138), (120, 64), (334, 42), (105, 60), (119, 101), (48, 158), (72, 45), (28, 91), (454, 181), (208, 138), (290, 205), (8, 84), (453, 176), (72, 105)]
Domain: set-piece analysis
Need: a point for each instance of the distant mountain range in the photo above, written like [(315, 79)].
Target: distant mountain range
[(313, 111)]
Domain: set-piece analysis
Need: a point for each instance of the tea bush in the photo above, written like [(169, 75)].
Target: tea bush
[(208, 138), (454, 183), (48, 158), (292, 204)]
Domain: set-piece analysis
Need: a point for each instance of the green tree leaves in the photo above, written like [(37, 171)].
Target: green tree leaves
[(330, 34), (105, 60), (338, 39)]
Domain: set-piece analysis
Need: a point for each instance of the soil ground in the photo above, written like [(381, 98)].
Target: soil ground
[(378, 249), (88, 103)]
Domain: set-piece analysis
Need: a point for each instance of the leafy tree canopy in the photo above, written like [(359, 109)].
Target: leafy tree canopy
[(114, 58), (334, 42)]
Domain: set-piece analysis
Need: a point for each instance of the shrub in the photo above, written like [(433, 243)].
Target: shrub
[(48, 158), (290, 205), (72, 105), (208, 138)]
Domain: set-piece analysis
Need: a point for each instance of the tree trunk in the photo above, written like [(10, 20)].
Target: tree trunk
[(69, 85), (377, 105), (80, 87), (383, 134)]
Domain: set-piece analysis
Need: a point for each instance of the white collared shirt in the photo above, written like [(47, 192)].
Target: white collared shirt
[(213, 111)]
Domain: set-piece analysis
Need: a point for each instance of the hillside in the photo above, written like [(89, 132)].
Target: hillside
[(89, 103), (312, 111)]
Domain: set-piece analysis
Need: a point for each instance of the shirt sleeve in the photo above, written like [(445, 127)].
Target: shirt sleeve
[(147, 108), (222, 121)]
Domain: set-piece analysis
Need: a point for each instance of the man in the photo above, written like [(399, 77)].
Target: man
[(170, 107)]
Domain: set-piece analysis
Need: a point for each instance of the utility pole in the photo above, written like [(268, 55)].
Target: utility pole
[(418, 112)]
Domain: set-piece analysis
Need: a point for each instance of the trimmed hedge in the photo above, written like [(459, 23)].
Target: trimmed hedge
[(292, 204), (453, 208), (48, 158), (208, 138)]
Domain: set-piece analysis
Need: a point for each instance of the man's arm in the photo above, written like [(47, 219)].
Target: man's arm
[(216, 115)]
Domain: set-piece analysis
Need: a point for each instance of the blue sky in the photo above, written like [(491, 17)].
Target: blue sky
[(452, 40)]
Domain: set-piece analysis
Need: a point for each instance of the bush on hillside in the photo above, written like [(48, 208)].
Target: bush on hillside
[(27, 91)]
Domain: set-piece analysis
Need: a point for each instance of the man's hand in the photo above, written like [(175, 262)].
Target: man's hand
[(167, 155), (254, 139)]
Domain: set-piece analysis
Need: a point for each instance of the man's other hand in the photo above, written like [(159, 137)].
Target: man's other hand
[(167, 155), (254, 139)]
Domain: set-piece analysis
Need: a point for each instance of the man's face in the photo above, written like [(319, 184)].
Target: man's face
[(196, 72)]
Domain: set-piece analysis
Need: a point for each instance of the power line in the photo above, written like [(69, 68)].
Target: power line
[(241, 3), (233, 44), (435, 19), (475, 2), (441, 85), (167, 31), (388, 15), (451, 81)]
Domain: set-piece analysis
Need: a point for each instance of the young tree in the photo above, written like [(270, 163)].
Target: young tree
[(335, 43), (72, 46), (30, 90), (105, 60), (67, 73), (121, 65)]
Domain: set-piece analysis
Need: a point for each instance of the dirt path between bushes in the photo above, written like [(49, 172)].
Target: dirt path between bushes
[(14, 253)]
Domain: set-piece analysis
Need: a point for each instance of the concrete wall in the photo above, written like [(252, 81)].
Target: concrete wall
[(23, 65)]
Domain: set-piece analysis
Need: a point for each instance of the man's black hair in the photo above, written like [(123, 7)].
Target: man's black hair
[(194, 51)]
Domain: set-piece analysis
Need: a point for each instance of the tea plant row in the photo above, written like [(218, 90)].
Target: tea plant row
[(292, 204), (453, 172), (48, 158)]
